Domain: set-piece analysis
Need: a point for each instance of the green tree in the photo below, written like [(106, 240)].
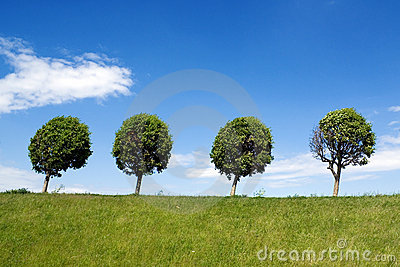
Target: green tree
[(242, 148), (343, 137), (61, 143), (142, 146)]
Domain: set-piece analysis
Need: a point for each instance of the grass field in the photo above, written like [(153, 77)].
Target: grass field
[(63, 229)]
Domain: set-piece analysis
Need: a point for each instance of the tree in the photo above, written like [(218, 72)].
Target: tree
[(343, 137), (242, 148), (142, 146), (61, 143)]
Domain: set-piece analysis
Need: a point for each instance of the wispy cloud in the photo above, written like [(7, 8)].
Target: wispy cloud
[(196, 164), (286, 172), (393, 123), (394, 108), (288, 183), (14, 178), (388, 140), (300, 169), (181, 160), (37, 81)]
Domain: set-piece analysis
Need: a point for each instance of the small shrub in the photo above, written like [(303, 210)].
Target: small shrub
[(260, 193), (58, 189), (18, 191)]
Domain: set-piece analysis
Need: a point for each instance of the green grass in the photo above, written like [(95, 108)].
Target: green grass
[(63, 229)]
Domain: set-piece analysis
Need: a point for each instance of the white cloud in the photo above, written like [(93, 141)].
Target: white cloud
[(282, 173), (181, 160), (196, 164), (393, 123), (38, 81), (287, 172), (386, 159), (14, 178), (385, 140), (288, 183), (207, 172), (360, 177), (299, 169), (303, 165), (394, 108)]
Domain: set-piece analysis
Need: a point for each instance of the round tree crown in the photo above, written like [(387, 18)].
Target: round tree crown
[(348, 136), (142, 145), (242, 147), (61, 143)]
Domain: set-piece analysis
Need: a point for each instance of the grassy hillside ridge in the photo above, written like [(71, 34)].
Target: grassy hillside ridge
[(64, 229)]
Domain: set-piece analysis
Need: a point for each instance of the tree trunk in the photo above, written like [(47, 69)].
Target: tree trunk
[(336, 187), (139, 182), (337, 180), (46, 183), (233, 190)]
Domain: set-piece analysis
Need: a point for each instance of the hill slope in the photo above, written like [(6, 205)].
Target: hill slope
[(61, 229)]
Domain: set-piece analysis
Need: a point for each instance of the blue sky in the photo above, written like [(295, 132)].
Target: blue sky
[(290, 62)]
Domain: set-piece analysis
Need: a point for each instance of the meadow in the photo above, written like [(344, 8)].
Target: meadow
[(73, 229)]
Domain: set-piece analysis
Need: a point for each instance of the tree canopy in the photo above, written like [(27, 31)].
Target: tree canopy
[(142, 146), (242, 148), (62, 143), (343, 137)]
